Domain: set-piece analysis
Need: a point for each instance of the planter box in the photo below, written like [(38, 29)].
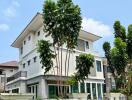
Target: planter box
[(82, 96), (15, 96)]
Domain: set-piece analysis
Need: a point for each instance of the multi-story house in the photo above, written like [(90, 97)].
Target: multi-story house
[(30, 77), (7, 69)]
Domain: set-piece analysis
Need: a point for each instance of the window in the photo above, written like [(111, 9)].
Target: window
[(38, 33), (34, 59), (94, 90), (86, 44), (82, 87), (21, 50), (88, 90), (88, 87), (80, 45), (29, 63), (99, 90), (98, 64), (24, 42), (74, 88), (29, 38), (15, 90), (24, 65)]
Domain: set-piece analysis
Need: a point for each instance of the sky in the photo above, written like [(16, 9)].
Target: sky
[(98, 18)]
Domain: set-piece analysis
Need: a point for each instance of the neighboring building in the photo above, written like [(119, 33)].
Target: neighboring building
[(30, 77), (7, 69)]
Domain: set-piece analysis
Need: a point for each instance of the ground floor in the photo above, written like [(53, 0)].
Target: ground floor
[(47, 87)]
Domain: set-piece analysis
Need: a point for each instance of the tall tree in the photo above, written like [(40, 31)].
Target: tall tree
[(62, 21), (107, 48), (129, 45), (119, 60), (119, 30)]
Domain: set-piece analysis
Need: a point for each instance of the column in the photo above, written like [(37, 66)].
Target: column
[(96, 91), (85, 84), (22, 87), (79, 89), (70, 89), (101, 90), (43, 89)]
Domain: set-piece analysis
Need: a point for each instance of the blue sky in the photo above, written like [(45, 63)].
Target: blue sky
[(98, 17)]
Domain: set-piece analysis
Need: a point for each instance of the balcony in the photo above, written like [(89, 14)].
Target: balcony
[(17, 75)]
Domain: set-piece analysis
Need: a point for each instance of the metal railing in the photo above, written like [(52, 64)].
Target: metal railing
[(17, 75)]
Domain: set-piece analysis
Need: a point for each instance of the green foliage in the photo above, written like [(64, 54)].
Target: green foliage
[(115, 90), (119, 30), (107, 48), (72, 80), (84, 62), (46, 54), (62, 21), (129, 42), (118, 56)]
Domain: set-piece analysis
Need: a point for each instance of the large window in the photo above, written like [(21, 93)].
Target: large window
[(94, 90), (33, 89), (82, 87), (88, 87), (88, 90), (74, 88), (98, 64), (99, 90)]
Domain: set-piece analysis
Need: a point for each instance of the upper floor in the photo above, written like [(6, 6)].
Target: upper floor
[(27, 40)]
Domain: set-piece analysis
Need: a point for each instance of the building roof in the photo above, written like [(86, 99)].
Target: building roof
[(9, 64), (37, 22)]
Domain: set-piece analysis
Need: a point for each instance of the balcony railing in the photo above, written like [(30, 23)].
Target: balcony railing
[(17, 75)]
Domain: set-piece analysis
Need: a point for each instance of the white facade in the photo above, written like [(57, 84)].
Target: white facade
[(29, 60)]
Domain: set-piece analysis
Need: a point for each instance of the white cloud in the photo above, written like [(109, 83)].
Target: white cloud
[(11, 10), (96, 27), (4, 27), (15, 3)]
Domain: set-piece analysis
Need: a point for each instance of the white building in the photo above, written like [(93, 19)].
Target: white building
[(31, 78)]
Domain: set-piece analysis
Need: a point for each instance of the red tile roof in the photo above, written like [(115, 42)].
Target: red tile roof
[(9, 64)]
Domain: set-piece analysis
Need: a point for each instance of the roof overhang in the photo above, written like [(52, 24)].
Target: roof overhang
[(37, 22), (33, 26), (88, 36)]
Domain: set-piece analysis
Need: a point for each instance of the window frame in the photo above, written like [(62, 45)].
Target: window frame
[(35, 59), (86, 45), (29, 62), (98, 68)]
